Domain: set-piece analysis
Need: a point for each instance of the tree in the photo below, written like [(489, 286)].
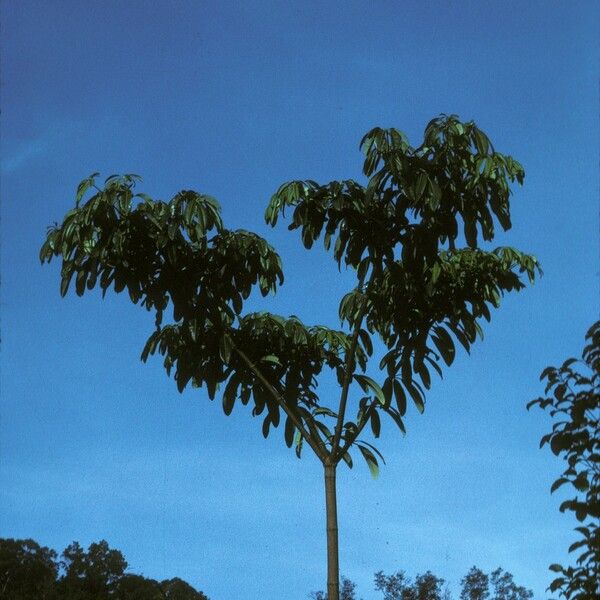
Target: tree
[(92, 574), (427, 586), (506, 589), (136, 587), (575, 403), (177, 589), (27, 570), (475, 585), (420, 286), (399, 587), (394, 587)]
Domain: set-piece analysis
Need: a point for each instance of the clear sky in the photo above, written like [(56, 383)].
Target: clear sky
[(232, 99)]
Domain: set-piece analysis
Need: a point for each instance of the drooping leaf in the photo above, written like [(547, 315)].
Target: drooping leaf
[(366, 383)]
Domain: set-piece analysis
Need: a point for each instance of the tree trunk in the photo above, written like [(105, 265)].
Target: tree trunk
[(333, 577)]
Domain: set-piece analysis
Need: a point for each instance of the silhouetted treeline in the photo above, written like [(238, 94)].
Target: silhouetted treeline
[(475, 585), (29, 571)]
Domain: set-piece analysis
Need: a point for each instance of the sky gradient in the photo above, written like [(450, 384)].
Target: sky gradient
[(232, 99)]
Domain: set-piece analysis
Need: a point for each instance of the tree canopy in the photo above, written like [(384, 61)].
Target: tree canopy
[(29, 571), (415, 289), (475, 585)]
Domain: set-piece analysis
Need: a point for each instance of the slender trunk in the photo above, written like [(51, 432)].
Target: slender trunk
[(333, 577)]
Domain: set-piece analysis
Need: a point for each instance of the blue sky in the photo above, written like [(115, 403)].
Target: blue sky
[(232, 99)]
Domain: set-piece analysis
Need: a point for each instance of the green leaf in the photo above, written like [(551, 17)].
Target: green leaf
[(387, 390), (266, 424), (366, 341), (481, 141), (230, 393), (367, 383), (375, 423), (417, 395), (64, 284), (298, 442), (370, 460), (443, 342), (347, 459), (289, 432), (271, 358), (363, 267), (560, 481), (323, 410), (150, 346), (84, 186), (397, 419), (423, 373), (400, 397)]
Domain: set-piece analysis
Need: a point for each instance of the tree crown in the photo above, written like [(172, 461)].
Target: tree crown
[(411, 234)]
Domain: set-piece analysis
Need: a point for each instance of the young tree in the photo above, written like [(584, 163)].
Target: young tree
[(575, 402), (411, 235)]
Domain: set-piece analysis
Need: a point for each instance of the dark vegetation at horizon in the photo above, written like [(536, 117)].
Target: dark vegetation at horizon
[(29, 571), (475, 585)]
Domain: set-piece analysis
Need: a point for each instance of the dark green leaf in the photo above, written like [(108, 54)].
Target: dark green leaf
[(370, 460), (289, 432), (367, 383), (400, 397)]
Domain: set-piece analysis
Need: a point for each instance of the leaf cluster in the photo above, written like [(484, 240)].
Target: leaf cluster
[(174, 252), (573, 400), (416, 290), (416, 198)]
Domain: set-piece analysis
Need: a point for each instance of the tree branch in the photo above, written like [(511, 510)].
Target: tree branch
[(316, 443), (358, 431), (348, 368)]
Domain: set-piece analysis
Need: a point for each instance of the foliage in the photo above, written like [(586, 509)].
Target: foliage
[(27, 570), (399, 587), (411, 235), (427, 586), (31, 572), (91, 574), (475, 585), (575, 404), (415, 289), (504, 587)]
